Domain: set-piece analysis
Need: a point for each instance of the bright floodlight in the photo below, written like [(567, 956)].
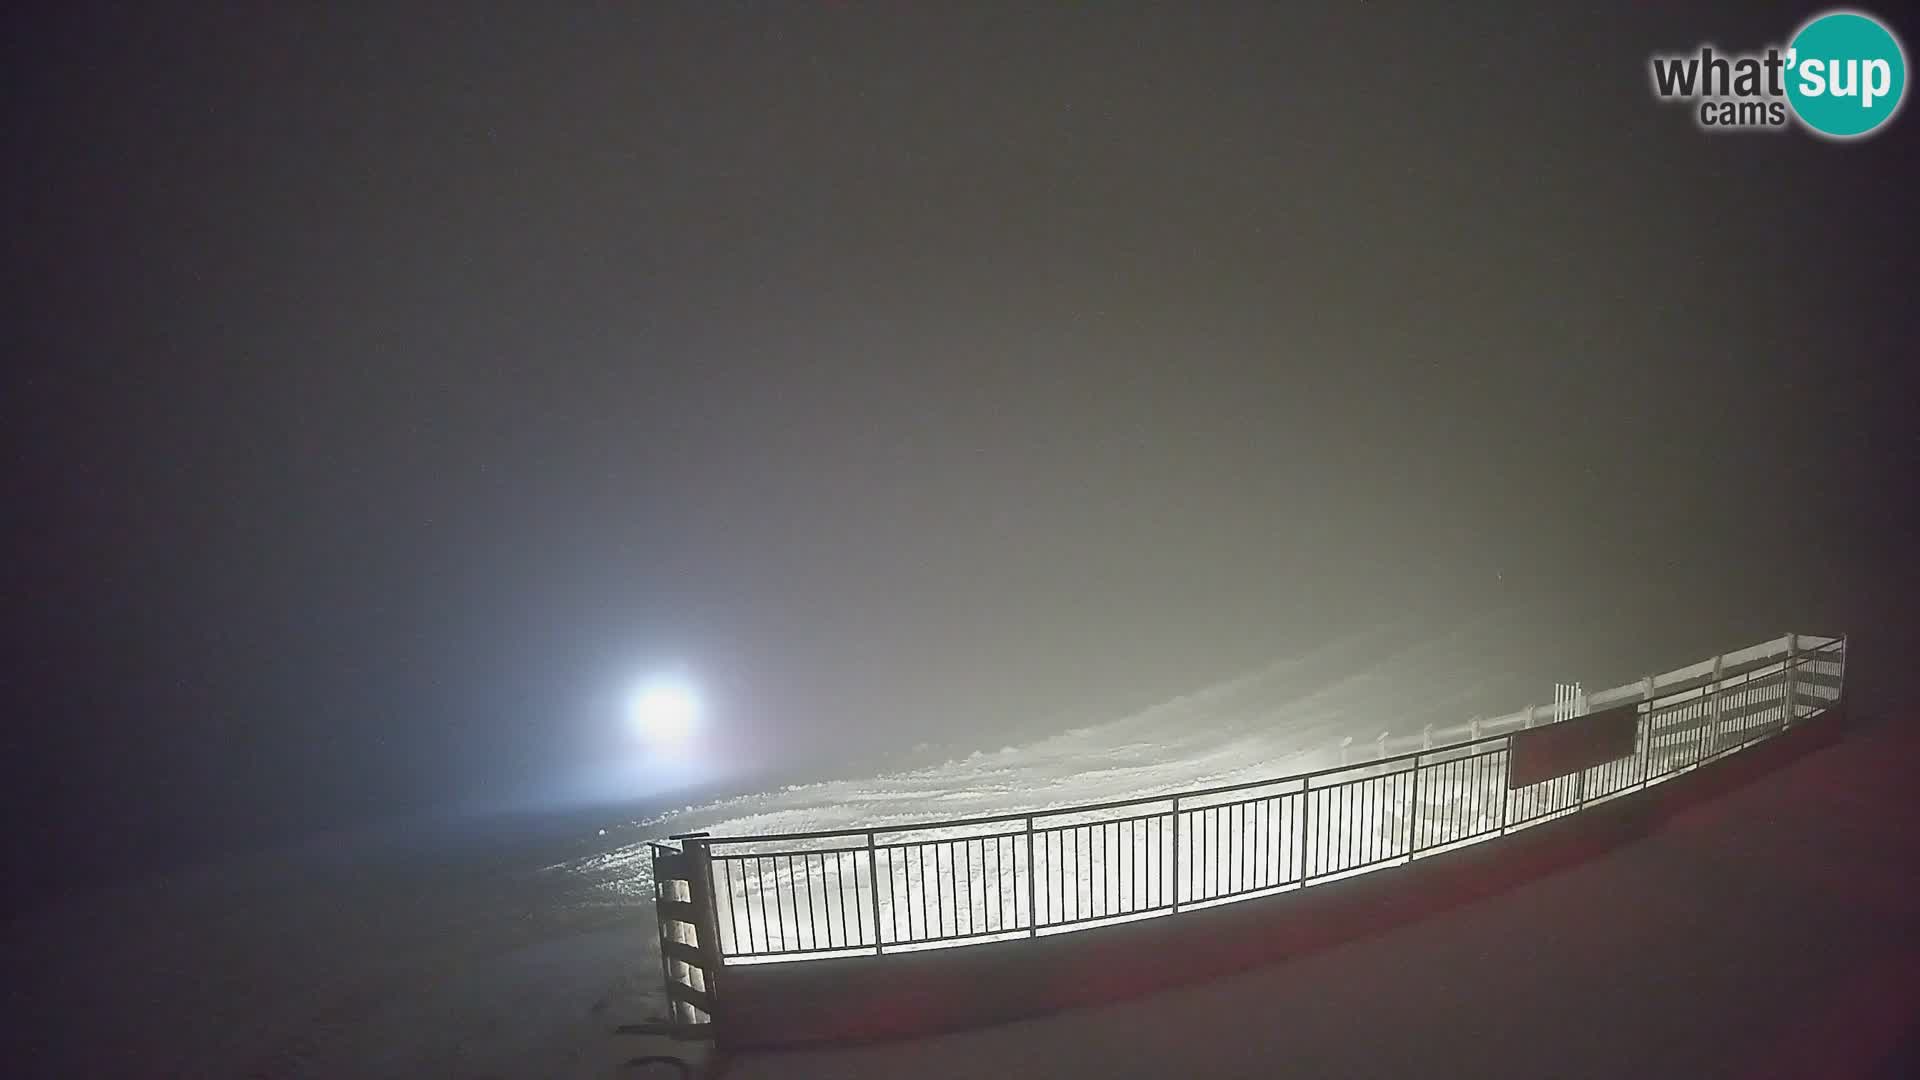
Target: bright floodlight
[(665, 714)]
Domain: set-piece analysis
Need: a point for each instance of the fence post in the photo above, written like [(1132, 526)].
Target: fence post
[(1841, 691), (873, 889), (1793, 661), (1505, 787), (1713, 702), (661, 893), (706, 926), (1033, 913), (1300, 830), (1176, 850), (1646, 695), (1413, 807)]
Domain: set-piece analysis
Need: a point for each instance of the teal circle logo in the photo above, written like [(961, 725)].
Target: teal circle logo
[(1846, 74)]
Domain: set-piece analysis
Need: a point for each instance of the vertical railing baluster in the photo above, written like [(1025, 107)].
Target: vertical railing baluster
[(1840, 692), (926, 922), (1232, 847), (1506, 784), (1646, 693), (1176, 852), (840, 887), (1786, 683), (1106, 901), (1413, 807), (1033, 913), (873, 893), (1300, 840), (779, 914)]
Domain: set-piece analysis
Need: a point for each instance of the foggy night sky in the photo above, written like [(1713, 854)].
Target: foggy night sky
[(388, 389)]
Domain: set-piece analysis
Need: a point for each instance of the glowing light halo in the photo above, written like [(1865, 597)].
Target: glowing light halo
[(666, 713)]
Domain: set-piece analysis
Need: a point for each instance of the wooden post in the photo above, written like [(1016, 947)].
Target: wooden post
[(693, 864), (661, 892), (706, 925)]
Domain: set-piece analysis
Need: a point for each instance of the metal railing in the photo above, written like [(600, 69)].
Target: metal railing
[(938, 884)]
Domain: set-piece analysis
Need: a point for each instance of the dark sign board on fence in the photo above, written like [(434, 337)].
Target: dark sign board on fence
[(1565, 748)]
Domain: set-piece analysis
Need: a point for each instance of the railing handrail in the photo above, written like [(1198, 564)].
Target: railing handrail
[(1742, 671), (827, 892)]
